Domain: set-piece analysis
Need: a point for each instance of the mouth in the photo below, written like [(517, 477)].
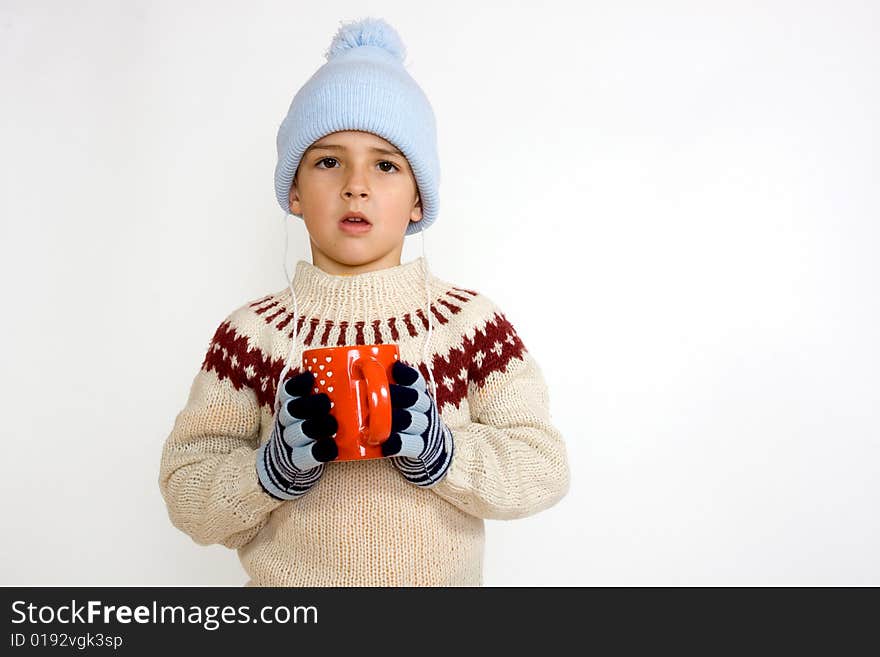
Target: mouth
[(355, 223), (356, 218)]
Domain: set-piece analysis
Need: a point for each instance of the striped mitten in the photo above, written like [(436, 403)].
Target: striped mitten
[(290, 463), (420, 444)]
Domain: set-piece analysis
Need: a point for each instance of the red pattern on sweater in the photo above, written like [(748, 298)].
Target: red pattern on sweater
[(233, 358), (343, 329), (492, 349), (409, 326), (266, 304)]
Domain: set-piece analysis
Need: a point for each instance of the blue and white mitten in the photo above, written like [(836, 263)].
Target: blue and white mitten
[(290, 463), (420, 444)]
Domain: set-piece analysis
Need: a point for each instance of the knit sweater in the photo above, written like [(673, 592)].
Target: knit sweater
[(363, 524)]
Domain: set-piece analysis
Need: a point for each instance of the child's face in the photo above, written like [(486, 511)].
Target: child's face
[(355, 171)]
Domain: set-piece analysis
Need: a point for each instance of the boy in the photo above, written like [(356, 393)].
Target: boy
[(250, 462)]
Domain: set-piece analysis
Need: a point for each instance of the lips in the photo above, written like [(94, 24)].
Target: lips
[(355, 227), (355, 215)]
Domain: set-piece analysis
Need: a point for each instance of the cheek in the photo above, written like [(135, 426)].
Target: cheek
[(313, 185), (405, 192)]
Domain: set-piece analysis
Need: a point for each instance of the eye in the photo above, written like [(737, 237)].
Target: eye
[(325, 159), (391, 163)]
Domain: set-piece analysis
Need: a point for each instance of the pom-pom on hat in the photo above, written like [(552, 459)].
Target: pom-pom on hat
[(363, 86)]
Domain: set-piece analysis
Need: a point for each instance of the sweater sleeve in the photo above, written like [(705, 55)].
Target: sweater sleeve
[(208, 474), (510, 460)]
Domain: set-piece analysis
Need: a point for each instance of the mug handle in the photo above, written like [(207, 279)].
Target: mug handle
[(378, 400)]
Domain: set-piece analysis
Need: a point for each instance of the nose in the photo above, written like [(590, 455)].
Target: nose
[(355, 185)]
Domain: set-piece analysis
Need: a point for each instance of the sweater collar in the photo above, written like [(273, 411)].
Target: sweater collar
[(371, 295)]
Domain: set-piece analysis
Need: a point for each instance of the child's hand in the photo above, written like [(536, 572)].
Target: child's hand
[(290, 463), (420, 444)]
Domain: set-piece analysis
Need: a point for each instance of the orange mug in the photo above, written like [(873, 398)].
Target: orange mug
[(356, 379)]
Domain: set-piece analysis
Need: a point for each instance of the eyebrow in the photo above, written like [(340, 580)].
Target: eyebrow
[(337, 147)]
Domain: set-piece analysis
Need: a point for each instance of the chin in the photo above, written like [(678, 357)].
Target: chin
[(353, 259)]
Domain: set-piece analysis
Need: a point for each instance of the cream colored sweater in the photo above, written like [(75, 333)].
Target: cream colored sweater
[(363, 524)]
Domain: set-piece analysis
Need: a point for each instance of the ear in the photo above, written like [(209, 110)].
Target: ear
[(295, 205), (416, 213)]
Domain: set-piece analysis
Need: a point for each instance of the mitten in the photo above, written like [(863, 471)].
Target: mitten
[(290, 463), (420, 444)]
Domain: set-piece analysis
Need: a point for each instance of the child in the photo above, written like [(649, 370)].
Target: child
[(250, 462)]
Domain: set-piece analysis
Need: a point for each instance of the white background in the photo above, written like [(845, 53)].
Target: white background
[(675, 203)]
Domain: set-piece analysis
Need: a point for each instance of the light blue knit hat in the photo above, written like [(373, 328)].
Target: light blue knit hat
[(363, 86)]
